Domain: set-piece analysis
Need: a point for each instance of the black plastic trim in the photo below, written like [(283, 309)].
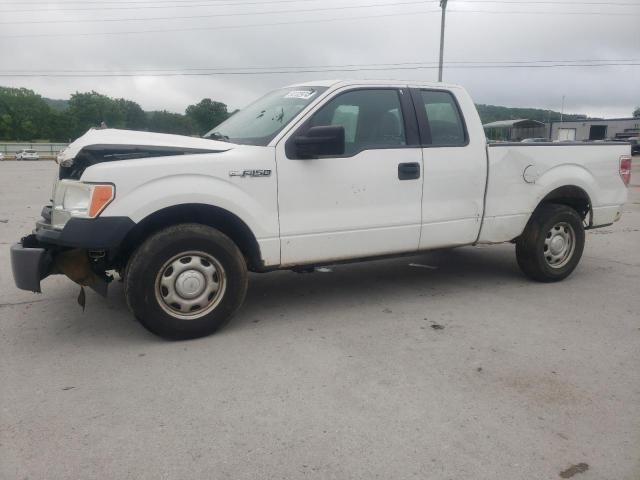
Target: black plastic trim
[(411, 127), (99, 153), (30, 266), (123, 151), (46, 213), (408, 171), (89, 233)]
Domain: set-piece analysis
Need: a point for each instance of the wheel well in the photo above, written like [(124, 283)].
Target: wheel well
[(571, 196), (216, 217)]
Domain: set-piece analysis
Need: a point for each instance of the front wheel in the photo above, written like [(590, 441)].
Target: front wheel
[(551, 245), (186, 281)]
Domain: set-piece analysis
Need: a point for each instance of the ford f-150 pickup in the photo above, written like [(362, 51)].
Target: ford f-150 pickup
[(308, 175)]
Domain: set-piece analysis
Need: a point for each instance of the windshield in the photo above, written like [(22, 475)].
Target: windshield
[(29, 151), (261, 121)]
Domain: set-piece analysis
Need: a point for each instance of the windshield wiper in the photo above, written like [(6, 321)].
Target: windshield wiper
[(218, 136)]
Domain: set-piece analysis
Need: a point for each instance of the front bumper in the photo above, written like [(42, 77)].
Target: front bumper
[(30, 265), (34, 257)]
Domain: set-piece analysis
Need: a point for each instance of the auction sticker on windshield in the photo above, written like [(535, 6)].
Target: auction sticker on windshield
[(303, 94)]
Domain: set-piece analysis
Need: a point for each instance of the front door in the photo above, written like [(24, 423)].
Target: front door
[(365, 202)]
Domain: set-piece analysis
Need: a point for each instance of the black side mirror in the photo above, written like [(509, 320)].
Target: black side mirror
[(325, 140)]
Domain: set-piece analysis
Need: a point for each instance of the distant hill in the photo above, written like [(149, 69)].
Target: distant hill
[(493, 113)]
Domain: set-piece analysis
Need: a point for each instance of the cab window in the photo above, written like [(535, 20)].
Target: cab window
[(372, 118), (443, 118)]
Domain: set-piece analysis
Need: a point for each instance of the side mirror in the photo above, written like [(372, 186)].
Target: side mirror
[(325, 140)]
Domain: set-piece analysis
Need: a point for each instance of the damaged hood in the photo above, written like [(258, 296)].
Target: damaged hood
[(105, 145), (114, 137)]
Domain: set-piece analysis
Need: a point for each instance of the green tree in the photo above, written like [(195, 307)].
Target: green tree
[(60, 126), (636, 113), (91, 109), (134, 116), (168, 122), (207, 114), (24, 115)]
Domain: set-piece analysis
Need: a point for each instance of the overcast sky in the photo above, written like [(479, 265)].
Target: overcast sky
[(47, 36)]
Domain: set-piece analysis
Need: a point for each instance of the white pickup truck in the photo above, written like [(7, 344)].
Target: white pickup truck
[(311, 174)]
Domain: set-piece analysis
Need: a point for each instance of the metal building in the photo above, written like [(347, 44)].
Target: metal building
[(581, 130)]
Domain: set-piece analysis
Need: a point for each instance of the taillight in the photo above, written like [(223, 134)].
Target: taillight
[(625, 169)]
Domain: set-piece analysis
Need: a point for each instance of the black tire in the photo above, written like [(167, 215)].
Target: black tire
[(190, 242), (533, 252)]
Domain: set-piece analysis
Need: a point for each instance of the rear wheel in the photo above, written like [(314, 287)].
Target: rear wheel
[(551, 245), (186, 281)]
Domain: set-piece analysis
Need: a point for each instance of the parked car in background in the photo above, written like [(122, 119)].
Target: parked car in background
[(534, 140), (1, 156), (635, 145), (26, 154)]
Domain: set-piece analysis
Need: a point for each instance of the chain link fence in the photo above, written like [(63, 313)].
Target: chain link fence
[(46, 151)]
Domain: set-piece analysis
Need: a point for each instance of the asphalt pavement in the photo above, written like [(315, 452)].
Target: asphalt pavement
[(447, 365)]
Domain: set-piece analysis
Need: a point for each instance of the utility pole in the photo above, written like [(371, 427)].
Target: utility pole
[(562, 110), (443, 5)]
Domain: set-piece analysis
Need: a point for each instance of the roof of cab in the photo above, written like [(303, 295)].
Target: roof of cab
[(344, 83)]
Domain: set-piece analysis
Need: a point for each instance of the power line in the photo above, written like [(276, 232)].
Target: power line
[(215, 3), (221, 27), (141, 2), (546, 12), (552, 2), (127, 2), (237, 14), (347, 65), (253, 25), (309, 70), (191, 4)]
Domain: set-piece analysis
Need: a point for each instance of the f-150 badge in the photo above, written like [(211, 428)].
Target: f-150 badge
[(250, 173)]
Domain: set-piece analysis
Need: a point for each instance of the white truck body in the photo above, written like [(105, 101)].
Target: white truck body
[(311, 174), (325, 210)]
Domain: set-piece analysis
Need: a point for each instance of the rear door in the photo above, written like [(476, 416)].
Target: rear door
[(454, 164), (365, 202)]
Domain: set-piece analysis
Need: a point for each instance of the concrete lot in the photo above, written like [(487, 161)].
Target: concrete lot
[(464, 369)]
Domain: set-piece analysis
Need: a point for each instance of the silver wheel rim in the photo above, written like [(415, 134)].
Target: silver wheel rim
[(190, 285), (559, 245)]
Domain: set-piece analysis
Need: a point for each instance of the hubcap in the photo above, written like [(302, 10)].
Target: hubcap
[(190, 285), (559, 245)]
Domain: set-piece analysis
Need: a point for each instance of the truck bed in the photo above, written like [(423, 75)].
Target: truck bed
[(521, 175)]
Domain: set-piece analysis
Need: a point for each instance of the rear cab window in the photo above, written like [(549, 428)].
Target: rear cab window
[(440, 118)]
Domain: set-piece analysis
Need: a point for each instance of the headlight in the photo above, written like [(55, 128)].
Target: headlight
[(78, 199)]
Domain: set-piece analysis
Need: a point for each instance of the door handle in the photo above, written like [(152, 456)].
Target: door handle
[(408, 171)]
